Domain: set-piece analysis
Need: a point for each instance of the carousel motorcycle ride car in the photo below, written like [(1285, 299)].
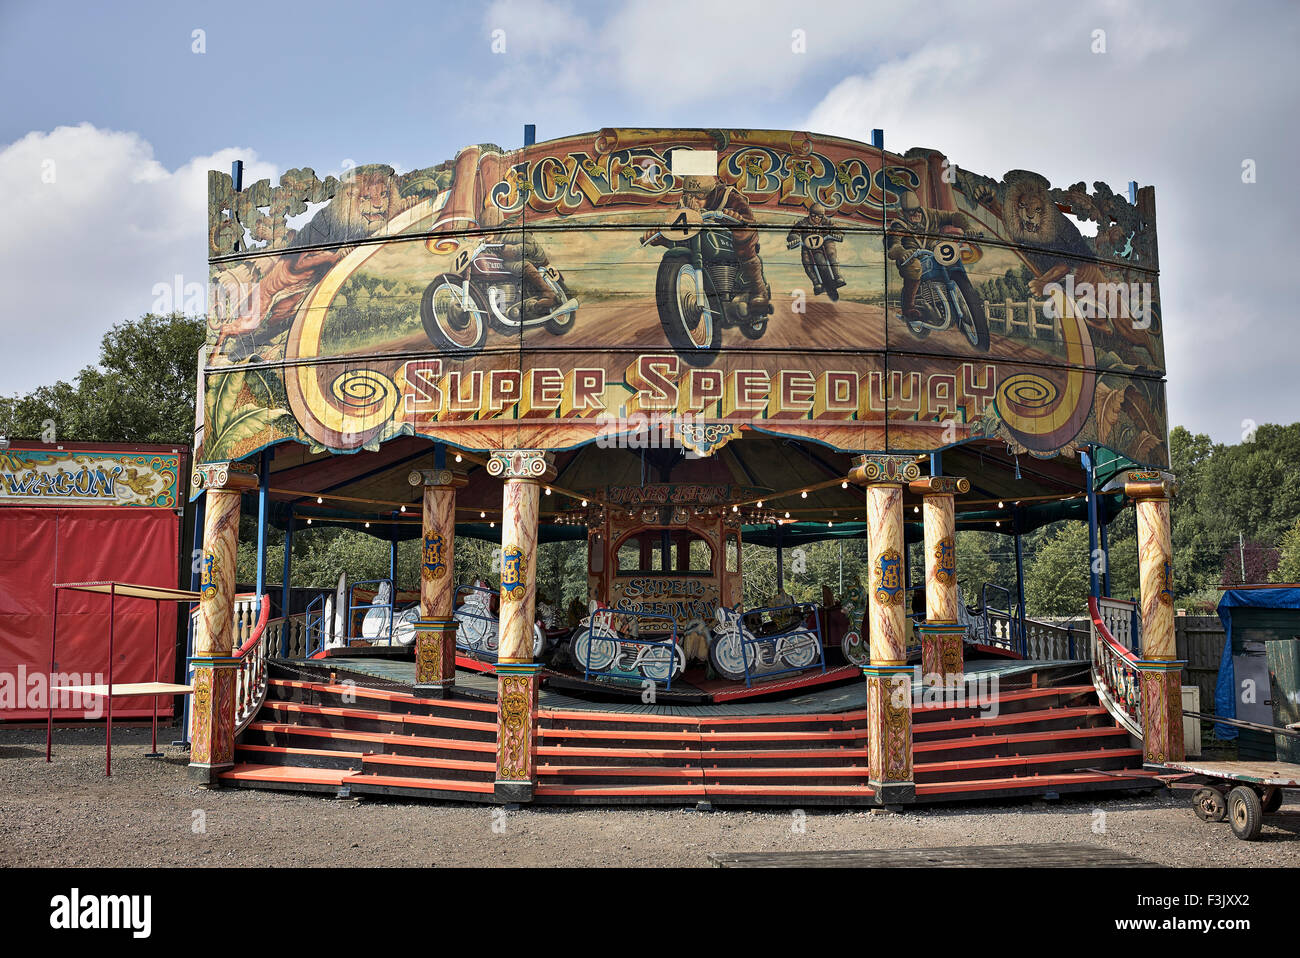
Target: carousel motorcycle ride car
[(739, 655), (479, 630), (700, 288), (483, 290), (944, 294), (598, 646)]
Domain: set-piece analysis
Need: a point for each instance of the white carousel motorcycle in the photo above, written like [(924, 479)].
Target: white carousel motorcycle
[(598, 646), (479, 629), (737, 654)]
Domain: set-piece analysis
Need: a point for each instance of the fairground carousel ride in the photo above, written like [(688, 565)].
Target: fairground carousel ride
[(674, 344)]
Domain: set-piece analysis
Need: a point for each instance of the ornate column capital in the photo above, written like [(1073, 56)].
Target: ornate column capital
[(876, 469), (533, 465), (940, 485), (436, 477), (239, 476), (1149, 484)]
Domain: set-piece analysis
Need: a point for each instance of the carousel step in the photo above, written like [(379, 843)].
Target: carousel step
[(1011, 766), (343, 740), (779, 740), (422, 766), (984, 789), (285, 777), (366, 784), (713, 758), (616, 774), (379, 700), (1021, 743), (1038, 720), (368, 720), (735, 794), (1016, 701), (298, 757)]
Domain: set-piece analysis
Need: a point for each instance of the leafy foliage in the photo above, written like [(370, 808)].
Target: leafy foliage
[(142, 389)]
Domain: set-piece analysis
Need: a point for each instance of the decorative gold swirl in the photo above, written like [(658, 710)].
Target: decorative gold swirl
[(1025, 392), (441, 244)]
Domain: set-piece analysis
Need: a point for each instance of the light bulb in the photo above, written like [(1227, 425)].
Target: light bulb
[(458, 458), (844, 485), (1001, 506), (482, 515), (308, 522), (403, 508), (760, 503), (548, 490), (804, 494), (367, 525), (584, 502), (319, 500)]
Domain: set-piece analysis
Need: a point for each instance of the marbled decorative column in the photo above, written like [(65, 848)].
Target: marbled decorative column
[(942, 637), (523, 470), (889, 680), (435, 632), (1162, 672), (212, 712)]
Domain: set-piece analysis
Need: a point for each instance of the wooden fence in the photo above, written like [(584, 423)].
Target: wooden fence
[(1009, 318), (1199, 641)]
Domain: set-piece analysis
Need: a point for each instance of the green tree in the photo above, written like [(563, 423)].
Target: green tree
[(142, 389), (1056, 582), (1288, 568)]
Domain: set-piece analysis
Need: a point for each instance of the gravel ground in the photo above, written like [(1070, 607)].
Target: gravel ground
[(149, 813)]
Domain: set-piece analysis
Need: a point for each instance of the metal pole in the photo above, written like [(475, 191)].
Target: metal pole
[(1103, 528), (284, 587), (54, 631), (54, 628), (153, 750), (108, 744), (1241, 545), (1020, 580), (200, 513), (392, 575), (780, 562), (1094, 584), (262, 504)]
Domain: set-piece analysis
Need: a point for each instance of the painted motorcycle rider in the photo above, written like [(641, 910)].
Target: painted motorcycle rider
[(526, 258), (817, 223), (705, 193), (918, 228)]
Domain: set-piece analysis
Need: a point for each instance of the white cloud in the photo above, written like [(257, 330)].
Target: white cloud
[(1166, 105), (86, 250)]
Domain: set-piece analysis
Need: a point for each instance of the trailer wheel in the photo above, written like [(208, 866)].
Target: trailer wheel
[(1245, 813), (1208, 804)]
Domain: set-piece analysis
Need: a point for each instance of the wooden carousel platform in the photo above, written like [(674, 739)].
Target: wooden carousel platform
[(1044, 733)]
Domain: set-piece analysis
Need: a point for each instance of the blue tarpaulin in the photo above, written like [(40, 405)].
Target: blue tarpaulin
[(1225, 693)]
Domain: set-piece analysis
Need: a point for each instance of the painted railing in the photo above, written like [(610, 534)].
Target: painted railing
[(250, 673), (249, 617), (1043, 641), (1121, 619), (288, 637), (1115, 673)]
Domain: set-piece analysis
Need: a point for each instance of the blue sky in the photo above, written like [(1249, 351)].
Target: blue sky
[(114, 100)]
